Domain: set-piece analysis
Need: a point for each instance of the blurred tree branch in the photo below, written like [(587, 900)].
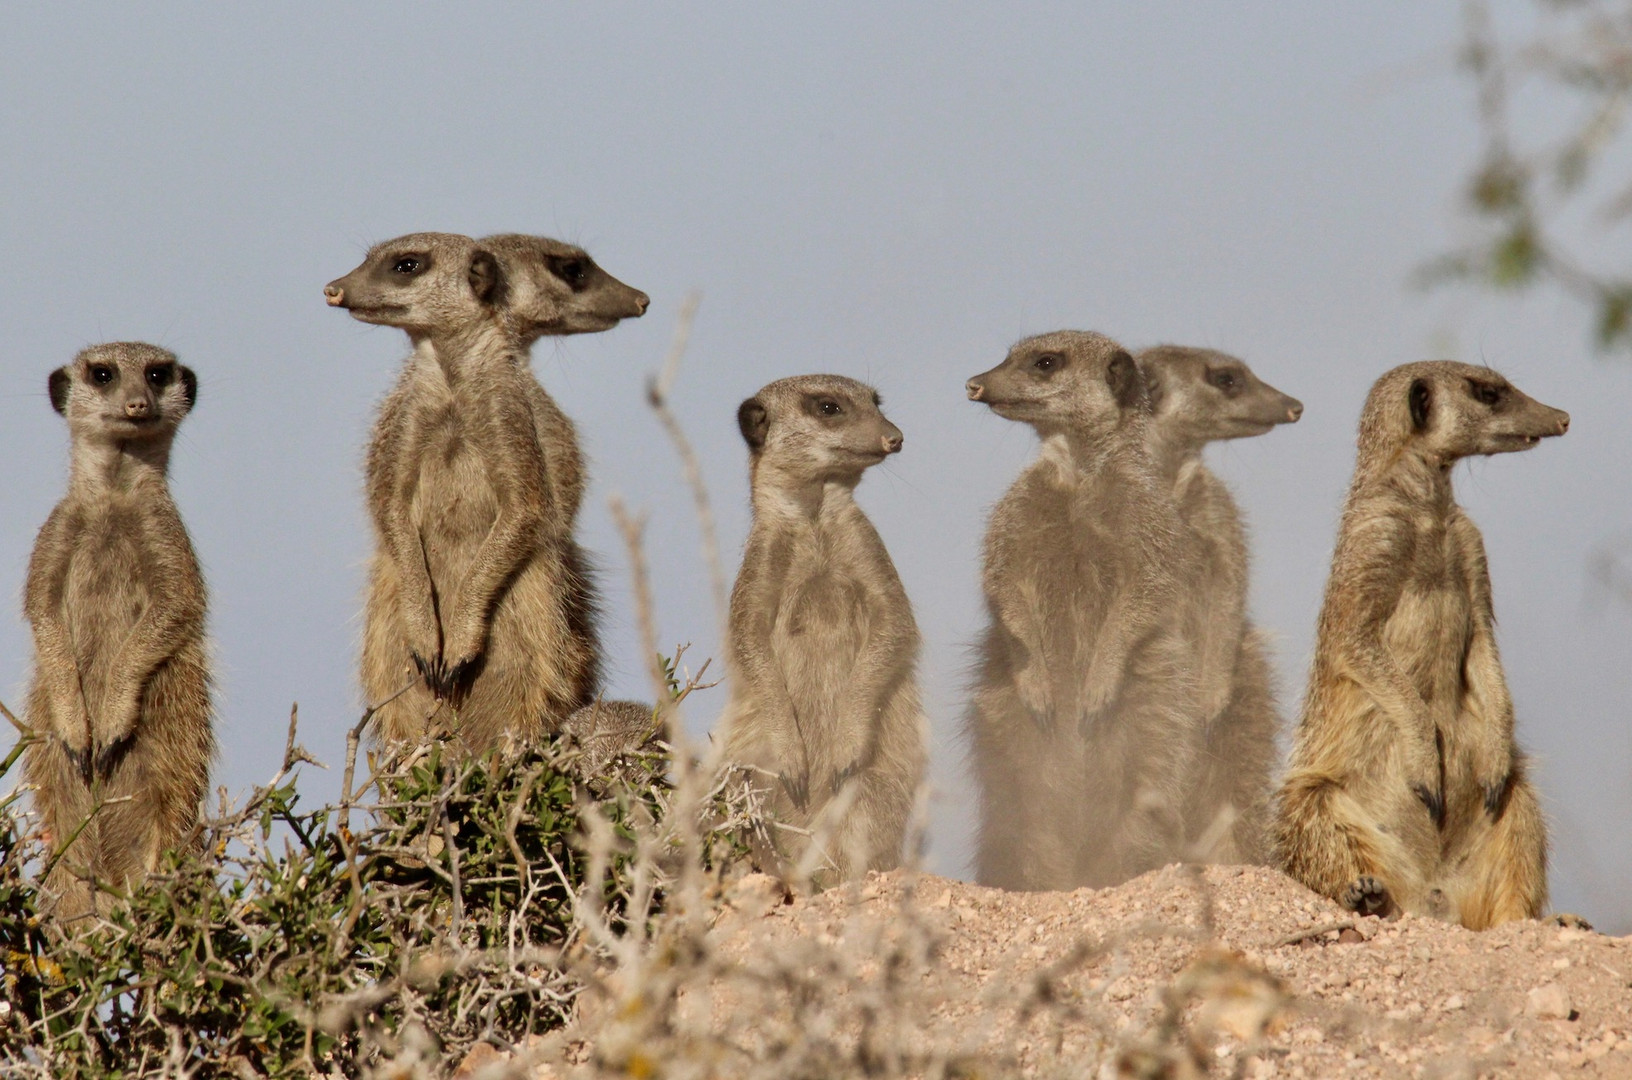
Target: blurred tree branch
[(1522, 188)]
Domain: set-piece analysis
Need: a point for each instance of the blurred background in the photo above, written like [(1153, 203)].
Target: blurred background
[(894, 193)]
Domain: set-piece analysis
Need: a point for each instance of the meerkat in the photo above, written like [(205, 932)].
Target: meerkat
[(607, 730), (1084, 726), (120, 698), (474, 481), (824, 701), (1405, 790), (1200, 396)]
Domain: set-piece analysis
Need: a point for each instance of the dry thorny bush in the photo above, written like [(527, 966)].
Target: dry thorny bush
[(284, 941)]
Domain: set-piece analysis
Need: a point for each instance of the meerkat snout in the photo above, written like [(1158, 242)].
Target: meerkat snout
[(975, 389), (892, 443), (334, 294), (1294, 409)]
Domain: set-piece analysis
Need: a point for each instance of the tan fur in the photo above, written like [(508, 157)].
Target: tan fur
[(1200, 396), (474, 481), (1084, 725), (1405, 789), (121, 688), (823, 643), (604, 731)]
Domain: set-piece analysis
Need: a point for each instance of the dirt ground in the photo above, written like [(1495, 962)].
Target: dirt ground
[(1220, 971)]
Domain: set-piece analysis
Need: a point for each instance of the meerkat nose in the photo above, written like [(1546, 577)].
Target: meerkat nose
[(1294, 409), (334, 294), (892, 444), (136, 408), (642, 301), (975, 389), (1563, 422)]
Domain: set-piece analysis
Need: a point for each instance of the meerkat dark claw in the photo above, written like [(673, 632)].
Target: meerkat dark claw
[(1433, 801)]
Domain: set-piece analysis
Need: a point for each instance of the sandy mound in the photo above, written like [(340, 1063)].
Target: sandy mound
[(1224, 971)]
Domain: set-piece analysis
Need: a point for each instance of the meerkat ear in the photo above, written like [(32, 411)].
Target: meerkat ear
[(1122, 376), (755, 423), (189, 384), (1422, 400), (58, 386), (486, 279)]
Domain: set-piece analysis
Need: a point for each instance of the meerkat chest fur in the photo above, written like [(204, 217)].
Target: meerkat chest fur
[(452, 504), (1061, 560), (109, 581), (1432, 622), (830, 593)]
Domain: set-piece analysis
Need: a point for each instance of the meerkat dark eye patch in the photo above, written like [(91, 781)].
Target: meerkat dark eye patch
[(754, 423), (574, 270), (1122, 376), (1485, 393), (1048, 363), (102, 374), (57, 385), (822, 406), (1422, 403), (1229, 381), (160, 376)]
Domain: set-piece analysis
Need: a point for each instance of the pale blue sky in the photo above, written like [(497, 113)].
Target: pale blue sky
[(894, 193)]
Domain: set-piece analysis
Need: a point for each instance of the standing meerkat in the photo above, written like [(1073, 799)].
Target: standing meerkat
[(120, 698), (1084, 724), (1405, 790), (822, 639), (473, 483), (1200, 396)]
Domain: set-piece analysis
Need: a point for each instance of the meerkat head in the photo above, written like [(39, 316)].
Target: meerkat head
[(817, 428), (1446, 411), (1070, 380), (556, 288), (125, 391), (422, 283), (1199, 396)]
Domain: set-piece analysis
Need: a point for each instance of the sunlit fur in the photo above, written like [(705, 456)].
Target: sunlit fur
[(474, 482), (1408, 710), (823, 645), (1200, 396), (121, 687), (1084, 724)]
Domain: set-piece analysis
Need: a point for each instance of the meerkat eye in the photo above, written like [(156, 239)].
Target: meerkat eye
[(1486, 394), (1047, 362), (160, 377), (573, 271), (1224, 379), (101, 374), (408, 264), (830, 408)]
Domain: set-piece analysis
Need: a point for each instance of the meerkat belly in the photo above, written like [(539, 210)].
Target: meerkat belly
[(1069, 587), (453, 507), (821, 628), (1428, 635), (105, 596)]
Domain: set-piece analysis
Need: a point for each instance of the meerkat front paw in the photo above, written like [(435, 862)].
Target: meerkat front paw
[(797, 788), (1031, 687), (80, 757), (1568, 921), (1367, 896), (109, 755)]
